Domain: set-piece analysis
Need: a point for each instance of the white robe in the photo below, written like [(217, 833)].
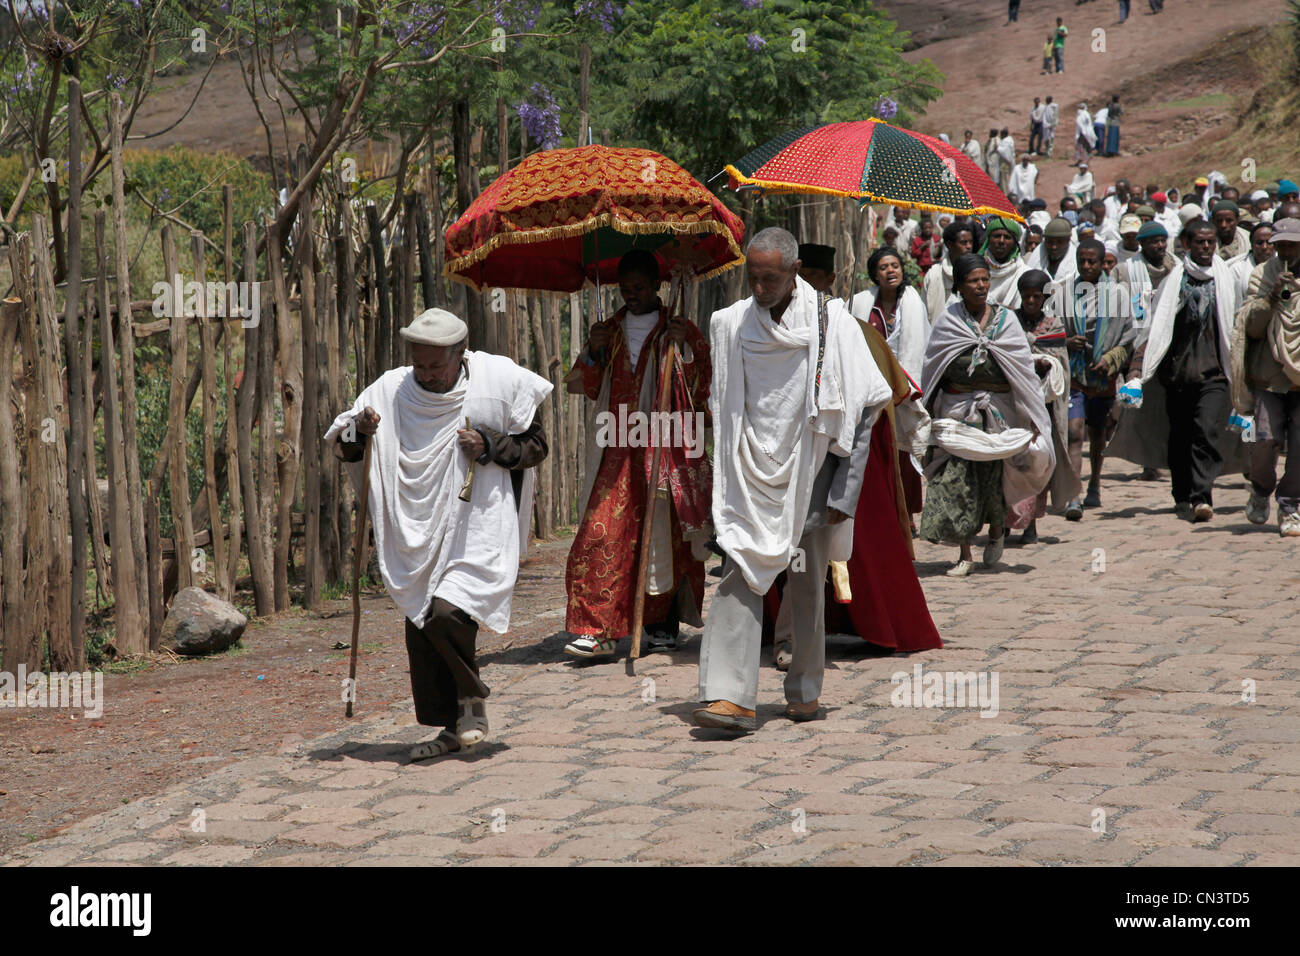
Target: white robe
[(1021, 185), (1002, 282), (1083, 127), (973, 149), (428, 542), (773, 424)]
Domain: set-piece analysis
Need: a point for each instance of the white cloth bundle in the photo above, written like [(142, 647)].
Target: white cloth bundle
[(967, 441), (773, 425), (428, 542)]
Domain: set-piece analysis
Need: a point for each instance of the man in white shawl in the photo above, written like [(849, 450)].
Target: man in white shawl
[(1006, 158), (795, 394), (452, 435), (1185, 377), (991, 161), (971, 147), (1082, 185), (1001, 251), (1051, 119), (1085, 137), (1020, 187)]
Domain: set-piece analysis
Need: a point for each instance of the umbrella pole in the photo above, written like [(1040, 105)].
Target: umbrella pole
[(652, 487)]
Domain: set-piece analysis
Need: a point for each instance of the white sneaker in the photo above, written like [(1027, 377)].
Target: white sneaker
[(588, 645), (1289, 524), (1257, 508)]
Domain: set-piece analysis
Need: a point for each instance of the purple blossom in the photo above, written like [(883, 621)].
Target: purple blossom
[(751, 4), (604, 12), (886, 108), (755, 42), (541, 118), (424, 19)]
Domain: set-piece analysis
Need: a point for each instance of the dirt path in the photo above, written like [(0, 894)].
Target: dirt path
[(1172, 72)]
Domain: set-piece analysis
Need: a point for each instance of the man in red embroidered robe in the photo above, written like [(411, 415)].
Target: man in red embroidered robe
[(620, 370)]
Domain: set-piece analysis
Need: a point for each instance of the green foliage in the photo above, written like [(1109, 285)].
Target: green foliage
[(188, 184)]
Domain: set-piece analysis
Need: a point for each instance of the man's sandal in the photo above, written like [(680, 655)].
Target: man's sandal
[(472, 724), (445, 743)]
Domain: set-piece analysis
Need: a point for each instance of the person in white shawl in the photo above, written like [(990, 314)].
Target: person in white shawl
[(795, 394), (1261, 250), (990, 433), (971, 147), (1006, 159), (936, 287), (1085, 137), (1023, 177), (1185, 377), (448, 548), (1082, 185), (1001, 251), (895, 309)]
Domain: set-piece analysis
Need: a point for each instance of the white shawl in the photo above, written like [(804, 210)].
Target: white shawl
[(1003, 289), (936, 288), (1083, 127), (911, 326), (1029, 472), (1021, 184), (765, 463), (428, 542), (1168, 300)]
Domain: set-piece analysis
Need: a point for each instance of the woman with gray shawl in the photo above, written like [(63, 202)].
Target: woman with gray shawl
[(991, 433)]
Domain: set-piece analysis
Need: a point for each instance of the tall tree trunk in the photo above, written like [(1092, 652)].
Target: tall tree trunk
[(466, 190), (379, 273), (78, 429), (266, 434), (130, 413), (290, 348), (47, 461), (21, 645), (259, 550), (234, 504), (177, 407), (314, 577), (209, 406)]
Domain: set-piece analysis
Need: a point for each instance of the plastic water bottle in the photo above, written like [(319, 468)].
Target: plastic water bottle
[(1130, 394)]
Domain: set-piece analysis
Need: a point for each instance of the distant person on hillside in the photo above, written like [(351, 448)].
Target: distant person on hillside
[(1023, 178), (991, 162), (971, 147), (1047, 55), (1123, 10), (1085, 138), (1051, 119), (1082, 185), (1006, 159), (1113, 113), (1058, 45), (1013, 11), (1036, 116), (1156, 5), (1099, 128)]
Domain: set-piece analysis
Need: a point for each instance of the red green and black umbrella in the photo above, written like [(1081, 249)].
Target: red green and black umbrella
[(874, 162)]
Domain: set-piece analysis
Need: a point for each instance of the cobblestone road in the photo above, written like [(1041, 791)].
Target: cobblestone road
[(1123, 646)]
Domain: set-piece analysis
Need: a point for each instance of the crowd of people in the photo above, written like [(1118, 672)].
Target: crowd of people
[(950, 399)]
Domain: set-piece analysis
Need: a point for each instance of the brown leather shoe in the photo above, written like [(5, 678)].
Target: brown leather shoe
[(800, 712), (724, 715)]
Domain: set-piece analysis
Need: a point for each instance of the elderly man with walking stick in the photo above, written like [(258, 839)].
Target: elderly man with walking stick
[(448, 439)]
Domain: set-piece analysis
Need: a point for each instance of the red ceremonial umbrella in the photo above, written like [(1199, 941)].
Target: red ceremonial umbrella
[(874, 162), (563, 217)]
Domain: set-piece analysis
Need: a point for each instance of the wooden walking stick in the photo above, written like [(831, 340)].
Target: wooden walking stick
[(358, 559), (652, 488)]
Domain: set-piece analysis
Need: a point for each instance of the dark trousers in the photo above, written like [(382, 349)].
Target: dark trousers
[(1036, 138), (1123, 10), (442, 663), (1196, 415), (1013, 9)]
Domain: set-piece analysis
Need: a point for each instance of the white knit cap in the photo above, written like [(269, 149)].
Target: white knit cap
[(435, 327)]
